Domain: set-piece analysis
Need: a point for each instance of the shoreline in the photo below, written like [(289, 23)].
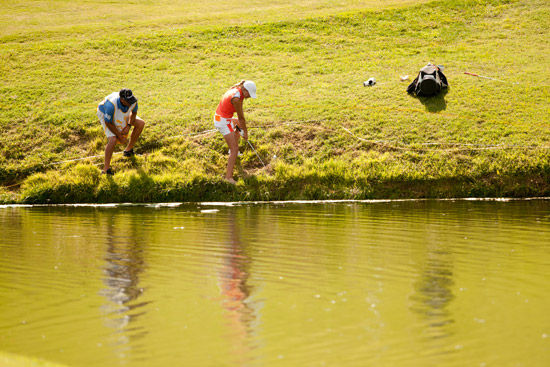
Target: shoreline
[(339, 182), (274, 202)]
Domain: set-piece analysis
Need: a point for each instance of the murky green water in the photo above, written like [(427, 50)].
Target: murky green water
[(430, 283)]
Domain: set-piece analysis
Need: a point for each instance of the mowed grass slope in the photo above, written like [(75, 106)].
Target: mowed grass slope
[(332, 137), (36, 17)]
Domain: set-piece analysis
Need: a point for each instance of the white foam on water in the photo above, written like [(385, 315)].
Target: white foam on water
[(221, 203), (163, 205), (111, 205), (210, 210)]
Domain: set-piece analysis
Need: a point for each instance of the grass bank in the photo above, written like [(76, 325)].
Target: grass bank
[(322, 134)]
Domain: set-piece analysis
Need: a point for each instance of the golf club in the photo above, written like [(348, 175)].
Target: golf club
[(250, 144), (257, 155)]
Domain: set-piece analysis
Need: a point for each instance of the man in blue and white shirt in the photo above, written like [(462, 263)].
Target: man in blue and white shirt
[(117, 114)]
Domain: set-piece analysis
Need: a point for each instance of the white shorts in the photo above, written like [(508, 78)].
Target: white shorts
[(224, 125), (107, 131)]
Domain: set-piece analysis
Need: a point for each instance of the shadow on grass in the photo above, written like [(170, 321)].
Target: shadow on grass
[(435, 103)]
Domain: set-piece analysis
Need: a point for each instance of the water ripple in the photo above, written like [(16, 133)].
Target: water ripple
[(397, 283)]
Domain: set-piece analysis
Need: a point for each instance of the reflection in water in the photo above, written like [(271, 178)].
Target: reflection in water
[(124, 263), (236, 292), (390, 284), (433, 293)]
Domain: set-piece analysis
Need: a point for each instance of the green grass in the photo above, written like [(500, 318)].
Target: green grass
[(309, 64)]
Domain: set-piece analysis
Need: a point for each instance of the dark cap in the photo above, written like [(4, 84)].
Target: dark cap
[(127, 95)]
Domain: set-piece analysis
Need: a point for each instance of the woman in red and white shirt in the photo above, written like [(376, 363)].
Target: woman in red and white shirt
[(232, 101)]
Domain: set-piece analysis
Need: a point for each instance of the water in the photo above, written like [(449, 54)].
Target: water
[(428, 283)]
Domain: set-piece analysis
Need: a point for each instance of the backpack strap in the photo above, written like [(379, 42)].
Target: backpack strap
[(412, 87)]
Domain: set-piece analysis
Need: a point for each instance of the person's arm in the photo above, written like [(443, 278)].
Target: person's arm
[(238, 104), (109, 112), (133, 115), (131, 120), (113, 129), (121, 136), (125, 130)]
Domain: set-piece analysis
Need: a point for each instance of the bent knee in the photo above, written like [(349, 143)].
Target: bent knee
[(139, 123), (111, 141)]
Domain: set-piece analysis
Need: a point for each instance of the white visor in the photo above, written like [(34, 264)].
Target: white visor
[(250, 86)]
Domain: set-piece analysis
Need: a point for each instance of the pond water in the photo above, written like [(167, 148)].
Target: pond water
[(406, 283)]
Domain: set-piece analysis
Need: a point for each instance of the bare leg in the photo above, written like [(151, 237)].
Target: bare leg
[(139, 124), (111, 142), (232, 141), (237, 137)]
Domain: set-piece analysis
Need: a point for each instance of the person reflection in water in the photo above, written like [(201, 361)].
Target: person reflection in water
[(434, 292), (235, 292), (123, 266)]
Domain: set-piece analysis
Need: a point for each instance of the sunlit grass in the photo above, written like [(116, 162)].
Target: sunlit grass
[(309, 73), (37, 16)]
